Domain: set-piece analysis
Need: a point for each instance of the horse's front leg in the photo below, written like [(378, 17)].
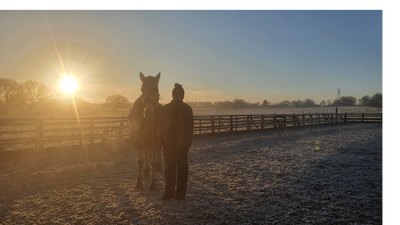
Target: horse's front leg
[(159, 164), (140, 162), (154, 165)]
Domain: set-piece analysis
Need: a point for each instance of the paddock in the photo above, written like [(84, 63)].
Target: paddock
[(50, 132), (323, 174)]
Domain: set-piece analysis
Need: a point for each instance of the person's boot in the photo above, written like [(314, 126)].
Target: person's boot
[(180, 197), (167, 196)]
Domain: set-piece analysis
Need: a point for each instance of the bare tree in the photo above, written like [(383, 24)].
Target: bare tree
[(309, 103), (117, 101), (345, 101), (8, 88), (239, 103), (36, 91), (376, 100), (365, 100), (298, 103), (265, 104)]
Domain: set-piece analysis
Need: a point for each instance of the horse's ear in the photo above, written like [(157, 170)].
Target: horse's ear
[(141, 75), (158, 76)]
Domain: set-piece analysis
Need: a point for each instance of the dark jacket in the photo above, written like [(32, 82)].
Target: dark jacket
[(176, 126)]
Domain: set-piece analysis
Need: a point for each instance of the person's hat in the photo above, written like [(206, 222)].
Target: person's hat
[(178, 92)]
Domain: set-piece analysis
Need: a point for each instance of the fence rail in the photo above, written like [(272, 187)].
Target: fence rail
[(63, 131)]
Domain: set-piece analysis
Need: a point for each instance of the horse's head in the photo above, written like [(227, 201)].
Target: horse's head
[(150, 93)]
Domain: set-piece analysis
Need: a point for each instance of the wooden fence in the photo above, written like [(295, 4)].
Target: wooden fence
[(52, 132), (26, 133), (229, 123)]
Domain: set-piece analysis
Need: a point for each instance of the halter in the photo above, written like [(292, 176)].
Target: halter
[(150, 100), (152, 97)]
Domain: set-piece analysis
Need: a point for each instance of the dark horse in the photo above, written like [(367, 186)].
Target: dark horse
[(142, 121)]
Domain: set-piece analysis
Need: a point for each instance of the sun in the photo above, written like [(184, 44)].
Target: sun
[(69, 85)]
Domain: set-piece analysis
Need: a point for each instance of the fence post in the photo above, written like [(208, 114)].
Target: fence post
[(219, 124), (262, 121), (318, 118), (309, 118), (248, 122), (236, 123), (39, 133), (231, 121), (274, 119), (284, 120), (345, 117), (212, 124), (91, 125), (199, 126), (121, 131), (294, 120), (362, 117), (304, 122)]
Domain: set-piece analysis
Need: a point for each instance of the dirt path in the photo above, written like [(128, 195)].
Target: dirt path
[(314, 175)]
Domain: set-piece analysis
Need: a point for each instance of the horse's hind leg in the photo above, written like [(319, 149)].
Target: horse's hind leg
[(159, 166), (140, 162), (147, 159)]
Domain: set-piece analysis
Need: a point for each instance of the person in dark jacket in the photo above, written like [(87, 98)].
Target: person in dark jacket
[(176, 127)]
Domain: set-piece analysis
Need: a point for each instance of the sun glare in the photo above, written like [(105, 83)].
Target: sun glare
[(69, 85)]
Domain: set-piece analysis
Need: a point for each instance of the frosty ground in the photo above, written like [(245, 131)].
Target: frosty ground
[(302, 175)]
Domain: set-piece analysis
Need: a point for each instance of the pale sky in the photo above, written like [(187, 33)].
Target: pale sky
[(216, 55)]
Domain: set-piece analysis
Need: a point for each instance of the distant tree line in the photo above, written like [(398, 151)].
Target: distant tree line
[(375, 101), (27, 96), (36, 99)]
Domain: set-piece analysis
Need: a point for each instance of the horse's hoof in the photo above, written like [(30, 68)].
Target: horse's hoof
[(153, 186)]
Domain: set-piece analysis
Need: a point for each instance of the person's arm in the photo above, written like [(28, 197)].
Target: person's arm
[(188, 127)]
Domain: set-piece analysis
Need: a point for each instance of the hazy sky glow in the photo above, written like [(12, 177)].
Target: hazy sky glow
[(215, 55)]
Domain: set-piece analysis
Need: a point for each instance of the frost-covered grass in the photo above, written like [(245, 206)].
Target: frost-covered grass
[(307, 175)]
